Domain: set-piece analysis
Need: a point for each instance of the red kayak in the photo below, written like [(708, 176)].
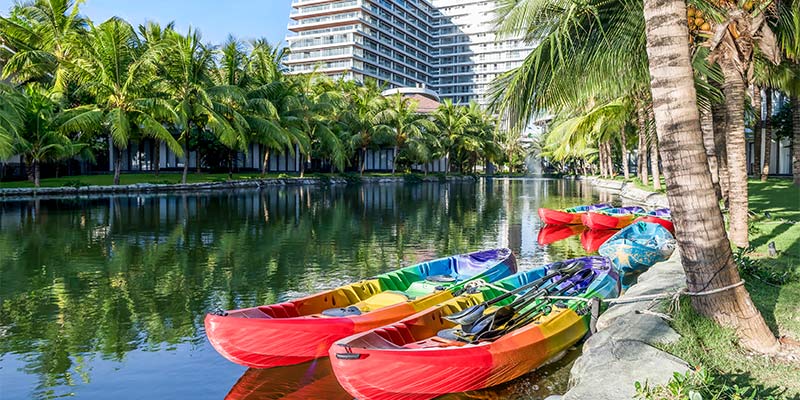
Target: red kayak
[(667, 224), (592, 239), (568, 216), (554, 233), (303, 329), (613, 218)]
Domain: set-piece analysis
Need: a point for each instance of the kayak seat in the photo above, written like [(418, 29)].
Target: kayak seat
[(342, 312), (441, 278), (380, 300), (398, 334)]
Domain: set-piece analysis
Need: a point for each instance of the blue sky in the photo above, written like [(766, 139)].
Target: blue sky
[(245, 19)]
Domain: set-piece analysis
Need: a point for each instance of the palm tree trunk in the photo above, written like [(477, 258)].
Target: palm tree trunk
[(720, 122), (796, 139), (641, 159), (705, 251), (758, 129), (185, 158), (157, 157), (624, 143), (734, 90), (610, 158), (230, 164), (36, 169), (707, 126), (363, 159), (654, 168), (394, 159), (117, 164), (265, 165), (28, 168), (767, 136)]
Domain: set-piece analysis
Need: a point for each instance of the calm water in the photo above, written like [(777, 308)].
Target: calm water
[(105, 297)]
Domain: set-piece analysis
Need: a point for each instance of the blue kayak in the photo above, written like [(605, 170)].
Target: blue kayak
[(638, 246)]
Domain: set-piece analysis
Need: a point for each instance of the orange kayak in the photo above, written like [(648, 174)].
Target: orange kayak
[(568, 216)]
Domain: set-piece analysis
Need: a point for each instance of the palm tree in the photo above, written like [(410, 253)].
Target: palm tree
[(452, 122), (41, 35), (114, 70), (788, 34), (364, 103), (700, 230), (318, 103), (153, 37), (11, 119), (187, 64), (401, 119), (40, 140)]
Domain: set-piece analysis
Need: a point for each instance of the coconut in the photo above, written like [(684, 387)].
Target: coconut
[(699, 21), (690, 11), (705, 27)]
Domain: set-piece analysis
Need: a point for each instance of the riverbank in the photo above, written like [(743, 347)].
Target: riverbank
[(629, 191), (774, 285), (147, 183)]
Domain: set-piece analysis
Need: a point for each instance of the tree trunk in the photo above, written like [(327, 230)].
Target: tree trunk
[(707, 126), (654, 167), (601, 159), (734, 89), (363, 159), (117, 164), (230, 165), (609, 160), (720, 122), (36, 173), (705, 251), (796, 139), (624, 144), (394, 159), (157, 157), (767, 136), (641, 159), (265, 164), (29, 169), (185, 160), (758, 129)]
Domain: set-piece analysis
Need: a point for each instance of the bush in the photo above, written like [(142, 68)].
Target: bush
[(352, 178), (283, 176), (770, 273), (76, 183), (412, 178)]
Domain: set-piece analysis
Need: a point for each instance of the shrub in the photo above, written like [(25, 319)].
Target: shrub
[(696, 385)]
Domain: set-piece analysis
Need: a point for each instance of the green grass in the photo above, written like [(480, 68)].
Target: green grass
[(708, 345), (781, 199), (638, 183)]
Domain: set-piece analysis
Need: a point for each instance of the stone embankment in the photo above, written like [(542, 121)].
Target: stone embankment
[(623, 350), (630, 193), (207, 186)]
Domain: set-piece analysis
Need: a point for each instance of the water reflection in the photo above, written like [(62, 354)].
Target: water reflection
[(105, 296)]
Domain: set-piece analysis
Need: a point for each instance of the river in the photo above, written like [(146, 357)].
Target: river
[(104, 297)]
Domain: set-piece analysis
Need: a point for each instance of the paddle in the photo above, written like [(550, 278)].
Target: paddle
[(471, 314), (528, 316), (503, 314)]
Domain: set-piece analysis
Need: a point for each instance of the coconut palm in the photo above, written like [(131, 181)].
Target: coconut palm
[(452, 122), (700, 230), (400, 117), (316, 104), (11, 119), (187, 64), (40, 35), (117, 73), (363, 104)]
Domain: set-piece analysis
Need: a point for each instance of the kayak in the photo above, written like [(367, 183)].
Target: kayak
[(660, 216), (303, 329), (553, 233), (311, 380), (410, 360), (611, 218), (638, 247), (568, 216), (592, 239)]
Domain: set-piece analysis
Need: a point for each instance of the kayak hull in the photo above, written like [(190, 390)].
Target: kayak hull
[(598, 221), (638, 247), (656, 220), (428, 374), (558, 217), (298, 331), (367, 365)]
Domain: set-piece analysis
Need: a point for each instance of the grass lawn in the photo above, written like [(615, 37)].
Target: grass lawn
[(708, 345), (128, 179)]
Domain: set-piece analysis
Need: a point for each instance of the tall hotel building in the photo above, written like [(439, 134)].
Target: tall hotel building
[(448, 46)]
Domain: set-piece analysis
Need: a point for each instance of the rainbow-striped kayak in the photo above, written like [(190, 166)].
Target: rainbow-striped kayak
[(611, 218), (303, 329), (568, 216), (367, 364), (638, 247), (659, 216)]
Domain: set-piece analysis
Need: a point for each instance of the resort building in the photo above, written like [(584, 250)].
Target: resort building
[(448, 46)]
